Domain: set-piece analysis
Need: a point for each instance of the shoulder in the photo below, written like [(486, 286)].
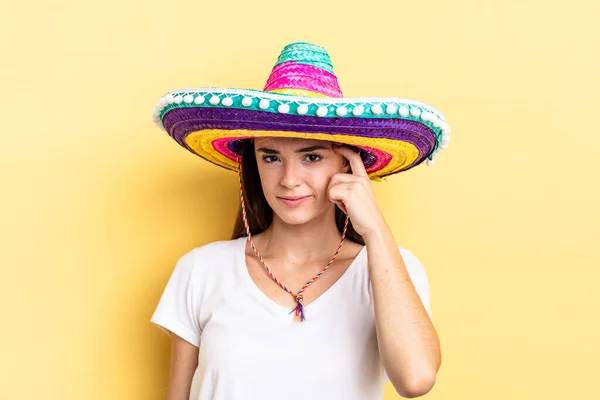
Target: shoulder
[(204, 257), (413, 265), (408, 255), (216, 248), (418, 276)]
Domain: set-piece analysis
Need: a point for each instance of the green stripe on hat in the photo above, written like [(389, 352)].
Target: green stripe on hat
[(306, 53)]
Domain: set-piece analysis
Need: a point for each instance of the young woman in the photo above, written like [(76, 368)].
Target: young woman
[(311, 298)]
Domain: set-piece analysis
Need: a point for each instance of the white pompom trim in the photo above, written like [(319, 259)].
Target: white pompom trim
[(264, 104), (302, 109), (341, 111), (358, 110)]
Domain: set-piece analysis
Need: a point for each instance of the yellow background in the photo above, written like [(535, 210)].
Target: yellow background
[(97, 204)]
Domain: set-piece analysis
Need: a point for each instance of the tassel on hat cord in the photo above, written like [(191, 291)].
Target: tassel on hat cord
[(299, 310), (299, 297)]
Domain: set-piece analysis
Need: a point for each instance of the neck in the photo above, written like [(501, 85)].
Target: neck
[(316, 240)]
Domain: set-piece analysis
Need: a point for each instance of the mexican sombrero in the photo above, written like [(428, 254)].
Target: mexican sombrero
[(302, 99)]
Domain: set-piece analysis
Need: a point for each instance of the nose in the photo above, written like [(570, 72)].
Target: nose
[(291, 175)]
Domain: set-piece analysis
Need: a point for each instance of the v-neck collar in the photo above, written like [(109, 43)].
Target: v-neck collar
[(276, 307)]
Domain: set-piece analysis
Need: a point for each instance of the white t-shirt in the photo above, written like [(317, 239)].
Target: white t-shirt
[(252, 348)]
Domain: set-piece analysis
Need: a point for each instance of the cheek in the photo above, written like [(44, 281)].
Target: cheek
[(270, 181), (320, 185)]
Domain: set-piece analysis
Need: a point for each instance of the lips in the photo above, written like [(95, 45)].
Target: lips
[(298, 201), (293, 198)]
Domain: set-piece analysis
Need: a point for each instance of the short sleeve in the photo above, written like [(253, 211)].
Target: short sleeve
[(418, 277), (177, 309)]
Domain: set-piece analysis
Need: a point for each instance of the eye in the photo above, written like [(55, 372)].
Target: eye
[(267, 158), (317, 158), (311, 158)]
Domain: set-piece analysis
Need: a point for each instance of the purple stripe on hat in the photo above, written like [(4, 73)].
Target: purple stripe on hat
[(180, 122)]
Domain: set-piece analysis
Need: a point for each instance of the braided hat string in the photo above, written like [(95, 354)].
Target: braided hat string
[(299, 297)]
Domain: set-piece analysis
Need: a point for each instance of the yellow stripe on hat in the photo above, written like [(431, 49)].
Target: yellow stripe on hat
[(402, 153)]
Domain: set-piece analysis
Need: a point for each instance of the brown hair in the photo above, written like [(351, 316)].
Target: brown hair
[(258, 212)]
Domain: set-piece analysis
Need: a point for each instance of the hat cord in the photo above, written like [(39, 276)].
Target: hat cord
[(299, 297)]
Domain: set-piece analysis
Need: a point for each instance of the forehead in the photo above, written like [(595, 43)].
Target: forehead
[(290, 143)]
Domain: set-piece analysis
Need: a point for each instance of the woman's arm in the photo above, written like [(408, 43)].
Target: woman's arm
[(184, 360), (408, 343)]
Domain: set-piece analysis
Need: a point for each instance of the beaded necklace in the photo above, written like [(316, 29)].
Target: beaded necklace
[(299, 297)]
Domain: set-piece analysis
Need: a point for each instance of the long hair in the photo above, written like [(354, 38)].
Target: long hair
[(258, 212)]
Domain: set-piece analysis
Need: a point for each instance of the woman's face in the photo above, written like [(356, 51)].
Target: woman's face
[(290, 167)]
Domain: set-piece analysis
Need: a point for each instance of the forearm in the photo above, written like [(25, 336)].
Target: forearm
[(184, 360), (408, 343)]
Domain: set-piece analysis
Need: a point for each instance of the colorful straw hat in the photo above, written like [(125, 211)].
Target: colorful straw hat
[(302, 99)]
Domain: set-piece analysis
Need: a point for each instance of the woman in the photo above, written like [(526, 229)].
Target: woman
[(263, 316)]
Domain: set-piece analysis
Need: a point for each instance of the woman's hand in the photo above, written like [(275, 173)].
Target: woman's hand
[(353, 194)]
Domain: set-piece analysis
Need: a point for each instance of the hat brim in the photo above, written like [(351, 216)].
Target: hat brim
[(389, 142)]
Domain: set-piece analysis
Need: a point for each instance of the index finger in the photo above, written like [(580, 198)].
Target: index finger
[(356, 163)]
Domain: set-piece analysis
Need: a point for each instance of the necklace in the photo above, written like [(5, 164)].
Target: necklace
[(299, 297)]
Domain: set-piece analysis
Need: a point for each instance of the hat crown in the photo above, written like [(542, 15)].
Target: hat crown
[(304, 69)]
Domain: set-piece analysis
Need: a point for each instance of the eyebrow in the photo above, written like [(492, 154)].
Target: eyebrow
[(303, 150)]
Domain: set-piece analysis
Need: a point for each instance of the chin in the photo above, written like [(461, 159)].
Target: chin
[(297, 216)]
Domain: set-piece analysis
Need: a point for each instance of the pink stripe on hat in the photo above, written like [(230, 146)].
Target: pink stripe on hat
[(293, 75)]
